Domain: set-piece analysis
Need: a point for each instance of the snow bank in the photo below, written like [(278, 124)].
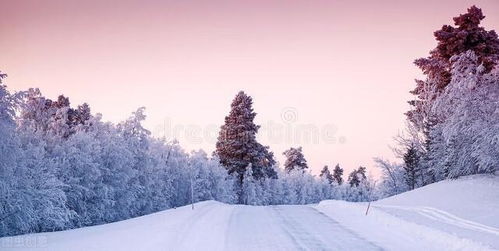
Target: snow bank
[(449, 215), (165, 230), (473, 197)]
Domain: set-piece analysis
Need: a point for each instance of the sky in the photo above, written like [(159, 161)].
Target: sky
[(331, 76)]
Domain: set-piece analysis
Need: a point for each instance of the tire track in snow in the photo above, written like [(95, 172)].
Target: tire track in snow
[(197, 213), (312, 230), (301, 238), (446, 217)]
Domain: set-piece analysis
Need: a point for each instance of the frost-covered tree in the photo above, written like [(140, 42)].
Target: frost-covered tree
[(411, 166), (237, 146), (338, 174), (466, 35), (295, 160), (31, 197), (15, 211), (468, 110), (250, 188), (210, 179), (357, 176), (326, 174), (393, 178)]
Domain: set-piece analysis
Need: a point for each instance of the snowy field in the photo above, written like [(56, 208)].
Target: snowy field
[(449, 215)]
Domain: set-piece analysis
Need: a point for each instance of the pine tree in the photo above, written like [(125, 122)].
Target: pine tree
[(338, 174), (326, 174), (452, 41), (295, 160), (411, 167), (357, 176), (237, 146), (469, 119)]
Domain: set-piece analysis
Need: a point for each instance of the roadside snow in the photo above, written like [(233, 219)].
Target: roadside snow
[(393, 233), (450, 215), (460, 214)]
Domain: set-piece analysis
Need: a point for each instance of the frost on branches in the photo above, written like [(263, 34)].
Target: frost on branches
[(237, 146), (469, 113), (453, 123), (295, 160), (63, 167)]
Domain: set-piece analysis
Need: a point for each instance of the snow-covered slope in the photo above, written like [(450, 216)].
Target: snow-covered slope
[(460, 214), (451, 215)]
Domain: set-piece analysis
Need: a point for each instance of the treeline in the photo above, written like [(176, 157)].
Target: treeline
[(453, 125), (63, 167)]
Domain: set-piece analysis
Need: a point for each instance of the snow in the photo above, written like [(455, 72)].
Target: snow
[(449, 215), (457, 214)]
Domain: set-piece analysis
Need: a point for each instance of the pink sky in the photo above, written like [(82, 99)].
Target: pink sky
[(322, 65)]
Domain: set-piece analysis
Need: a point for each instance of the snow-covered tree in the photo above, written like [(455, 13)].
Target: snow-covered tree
[(468, 111), (326, 174), (393, 178), (237, 146), (357, 176), (295, 160), (15, 210), (338, 174), (250, 188), (452, 41), (411, 166)]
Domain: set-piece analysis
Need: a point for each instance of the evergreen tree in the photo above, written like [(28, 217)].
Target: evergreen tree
[(295, 160), (357, 176), (411, 167), (326, 174), (338, 174), (452, 41), (237, 146), (469, 119)]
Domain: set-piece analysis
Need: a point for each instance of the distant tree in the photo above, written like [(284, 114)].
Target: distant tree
[(295, 160), (338, 174), (357, 176), (52, 117), (326, 174)]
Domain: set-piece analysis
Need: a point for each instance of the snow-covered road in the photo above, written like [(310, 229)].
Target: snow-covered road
[(332, 225), (289, 228), (210, 226), (444, 216), (216, 226)]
